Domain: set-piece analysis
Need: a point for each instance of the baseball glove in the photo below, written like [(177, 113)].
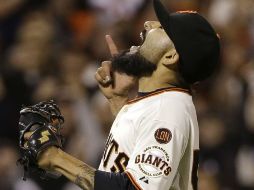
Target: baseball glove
[(42, 122)]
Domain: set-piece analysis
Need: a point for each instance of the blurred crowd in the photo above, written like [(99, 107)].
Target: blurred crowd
[(50, 49)]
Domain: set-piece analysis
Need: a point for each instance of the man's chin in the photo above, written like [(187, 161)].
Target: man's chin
[(133, 64)]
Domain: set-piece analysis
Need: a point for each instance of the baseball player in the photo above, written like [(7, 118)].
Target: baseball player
[(154, 142)]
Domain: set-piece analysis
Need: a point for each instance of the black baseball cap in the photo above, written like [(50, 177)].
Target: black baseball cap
[(195, 40)]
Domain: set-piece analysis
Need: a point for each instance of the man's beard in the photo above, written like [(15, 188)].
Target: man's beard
[(132, 64)]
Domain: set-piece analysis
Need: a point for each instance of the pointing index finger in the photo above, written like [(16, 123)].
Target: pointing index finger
[(111, 45)]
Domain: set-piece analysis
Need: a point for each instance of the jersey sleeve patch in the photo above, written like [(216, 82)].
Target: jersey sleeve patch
[(153, 162), (163, 135)]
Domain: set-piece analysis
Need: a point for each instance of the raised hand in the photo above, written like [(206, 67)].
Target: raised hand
[(113, 83)]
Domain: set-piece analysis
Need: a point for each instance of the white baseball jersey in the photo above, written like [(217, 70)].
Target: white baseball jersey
[(155, 140)]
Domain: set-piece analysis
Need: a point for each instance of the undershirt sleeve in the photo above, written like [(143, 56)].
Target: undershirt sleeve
[(112, 181)]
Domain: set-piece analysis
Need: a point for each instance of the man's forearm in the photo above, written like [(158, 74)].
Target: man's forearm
[(75, 170), (83, 175)]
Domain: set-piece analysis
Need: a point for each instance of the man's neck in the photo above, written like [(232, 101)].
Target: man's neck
[(147, 85), (158, 81)]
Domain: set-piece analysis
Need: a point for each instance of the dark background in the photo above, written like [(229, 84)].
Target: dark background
[(50, 49)]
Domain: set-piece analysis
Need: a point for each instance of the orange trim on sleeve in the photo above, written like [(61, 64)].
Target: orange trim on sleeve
[(133, 181), (187, 91)]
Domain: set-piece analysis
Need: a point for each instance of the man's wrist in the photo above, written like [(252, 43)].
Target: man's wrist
[(49, 158), (56, 159), (118, 98), (116, 103)]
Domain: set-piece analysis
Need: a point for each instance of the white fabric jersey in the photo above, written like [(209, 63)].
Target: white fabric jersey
[(155, 140)]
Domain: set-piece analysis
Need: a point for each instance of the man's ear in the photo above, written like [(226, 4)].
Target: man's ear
[(170, 58)]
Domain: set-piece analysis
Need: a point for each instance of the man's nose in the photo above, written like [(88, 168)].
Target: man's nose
[(148, 25)]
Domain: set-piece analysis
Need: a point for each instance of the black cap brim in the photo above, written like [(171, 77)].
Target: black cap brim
[(162, 15)]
